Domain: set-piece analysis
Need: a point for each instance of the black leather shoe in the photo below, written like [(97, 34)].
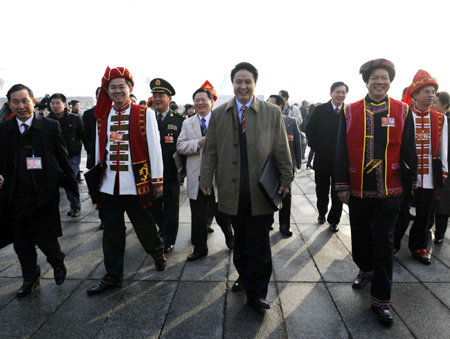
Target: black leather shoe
[(197, 255), (334, 228), (60, 274), (321, 219), (230, 241), (258, 303), (438, 241), (361, 281), (421, 256), (239, 285), (210, 229), (101, 227), (168, 249), (160, 263), (27, 288), (100, 288), (271, 228), (69, 213), (284, 229), (383, 315)]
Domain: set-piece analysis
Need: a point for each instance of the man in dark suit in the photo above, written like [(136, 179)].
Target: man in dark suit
[(321, 131), (166, 210), (90, 131), (295, 147), (33, 164)]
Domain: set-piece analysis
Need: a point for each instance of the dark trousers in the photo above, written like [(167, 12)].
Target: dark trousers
[(402, 221), (25, 249), (252, 256), (418, 234), (284, 215), (372, 223), (200, 210), (25, 243), (166, 211), (441, 221), (114, 207), (323, 182)]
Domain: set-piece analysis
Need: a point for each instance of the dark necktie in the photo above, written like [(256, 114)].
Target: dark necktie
[(336, 110), (160, 119), (243, 108), (26, 127), (204, 128)]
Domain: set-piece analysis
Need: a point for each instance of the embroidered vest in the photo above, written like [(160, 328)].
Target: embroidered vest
[(138, 149), (356, 119)]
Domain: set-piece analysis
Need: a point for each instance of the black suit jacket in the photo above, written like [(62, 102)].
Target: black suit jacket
[(48, 143), (294, 141), (169, 130), (321, 132)]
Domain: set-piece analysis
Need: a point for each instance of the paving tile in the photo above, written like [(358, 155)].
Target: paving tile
[(197, 311), (242, 321), (309, 311), (354, 307)]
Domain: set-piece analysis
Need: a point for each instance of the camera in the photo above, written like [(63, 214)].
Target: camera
[(44, 103)]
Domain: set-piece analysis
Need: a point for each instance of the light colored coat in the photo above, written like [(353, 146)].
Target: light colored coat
[(187, 144), (265, 133)]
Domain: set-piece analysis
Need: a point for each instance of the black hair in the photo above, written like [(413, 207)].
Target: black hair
[(444, 98), (96, 91), (278, 99), (247, 67), (203, 90), (284, 94), (338, 84), (62, 97), (19, 87), (73, 102)]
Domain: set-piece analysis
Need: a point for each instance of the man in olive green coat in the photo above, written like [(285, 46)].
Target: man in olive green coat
[(241, 135)]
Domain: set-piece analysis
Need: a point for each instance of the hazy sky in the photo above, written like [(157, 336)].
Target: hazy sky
[(65, 46)]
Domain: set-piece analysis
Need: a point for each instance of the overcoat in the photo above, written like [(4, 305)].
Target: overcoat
[(48, 144), (265, 133)]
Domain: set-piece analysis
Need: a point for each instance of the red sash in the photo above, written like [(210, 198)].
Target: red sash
[(356, 142)]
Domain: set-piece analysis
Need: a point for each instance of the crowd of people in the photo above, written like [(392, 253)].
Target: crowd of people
[(380, 156)]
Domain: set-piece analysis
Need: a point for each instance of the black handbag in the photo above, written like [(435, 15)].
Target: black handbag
[(93, 177)]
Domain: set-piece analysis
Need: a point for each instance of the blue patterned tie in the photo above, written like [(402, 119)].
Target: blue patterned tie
[(204, 128)]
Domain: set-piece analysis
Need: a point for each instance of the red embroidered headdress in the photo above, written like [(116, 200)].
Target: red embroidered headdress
[(421, 79), (104, 102), (207, 85)]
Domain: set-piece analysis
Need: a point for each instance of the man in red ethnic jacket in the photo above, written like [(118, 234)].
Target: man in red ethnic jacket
[(128, 149), (431, 142), (376, 134)]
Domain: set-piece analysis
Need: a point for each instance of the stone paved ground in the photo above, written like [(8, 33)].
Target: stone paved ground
[(310, 291)]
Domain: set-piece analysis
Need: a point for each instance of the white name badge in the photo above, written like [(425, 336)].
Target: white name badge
[(387, 122), (34, 163)]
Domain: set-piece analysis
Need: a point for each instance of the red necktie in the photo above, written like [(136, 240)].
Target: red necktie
[(243, 108)]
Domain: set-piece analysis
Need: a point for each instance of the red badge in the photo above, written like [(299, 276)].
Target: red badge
[(290, 137), (115, 136), (168, 139)]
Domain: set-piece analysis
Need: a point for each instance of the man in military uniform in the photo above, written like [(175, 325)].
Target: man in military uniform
[(166, 210)]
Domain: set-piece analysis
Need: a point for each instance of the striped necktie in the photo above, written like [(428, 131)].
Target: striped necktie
[(243, 109), (203, 126)]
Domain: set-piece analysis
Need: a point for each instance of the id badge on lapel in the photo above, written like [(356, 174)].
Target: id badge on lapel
[(34, 163)]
